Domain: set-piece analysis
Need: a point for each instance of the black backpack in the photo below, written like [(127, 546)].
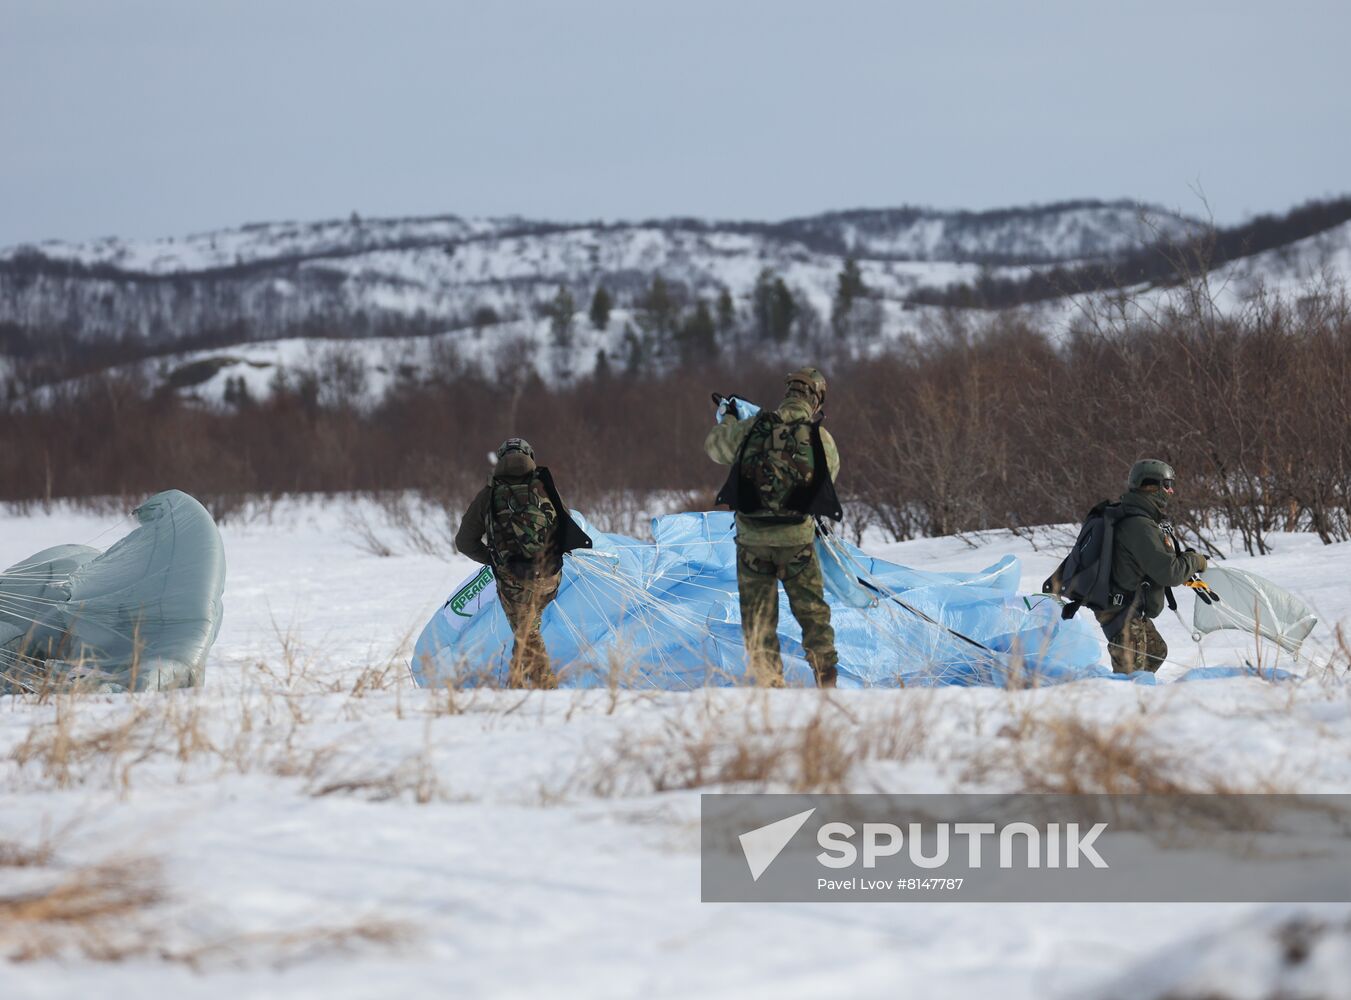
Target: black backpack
[(1084, 577)]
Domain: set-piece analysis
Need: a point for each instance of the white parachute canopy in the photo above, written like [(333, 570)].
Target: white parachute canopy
[(142, 615), (1249, 603)]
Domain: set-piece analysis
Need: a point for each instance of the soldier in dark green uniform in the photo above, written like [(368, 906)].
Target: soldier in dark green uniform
[(783, 470), (518, 525), (1147, 559)]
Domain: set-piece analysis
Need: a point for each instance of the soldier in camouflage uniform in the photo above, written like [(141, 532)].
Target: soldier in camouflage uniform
[(527, 531), (1147, 559), (775, 539)]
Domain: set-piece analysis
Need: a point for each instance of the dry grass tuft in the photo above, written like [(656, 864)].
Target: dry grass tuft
[(414, 777), (14, 855), (95, 912), (110, 912), (65, 752), (114, 889), (1065, 754), (284, 949), (745, 745)]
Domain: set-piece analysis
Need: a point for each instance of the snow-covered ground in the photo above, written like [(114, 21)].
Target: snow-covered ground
[(308, 824)]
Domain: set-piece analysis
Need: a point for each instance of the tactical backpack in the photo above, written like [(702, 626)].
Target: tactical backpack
[(780, 474), (1084, 577), (522, 527), (778, 463)]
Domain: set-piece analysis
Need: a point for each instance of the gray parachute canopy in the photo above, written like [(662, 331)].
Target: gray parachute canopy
[(1249, 603), (141, 616)]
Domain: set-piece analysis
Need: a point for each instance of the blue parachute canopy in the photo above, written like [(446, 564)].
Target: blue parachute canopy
[(665, 614), (142, 615)]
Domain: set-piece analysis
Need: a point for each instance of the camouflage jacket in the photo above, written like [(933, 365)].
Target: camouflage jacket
[(722, 445), (471, 537)]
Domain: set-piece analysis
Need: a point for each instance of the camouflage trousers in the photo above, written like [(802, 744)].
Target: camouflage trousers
[(524, 602), (759, 568), (1138, 647)]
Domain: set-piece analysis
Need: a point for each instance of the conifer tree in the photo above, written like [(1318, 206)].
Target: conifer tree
[(848, 289), (601, 305)]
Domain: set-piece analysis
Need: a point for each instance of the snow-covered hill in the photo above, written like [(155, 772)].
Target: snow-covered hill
[(361, 277), (1316, 265), (397, 293), (1081, 230)]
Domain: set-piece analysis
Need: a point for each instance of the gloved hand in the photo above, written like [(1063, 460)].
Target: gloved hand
[(1201, 561), (727, 409)]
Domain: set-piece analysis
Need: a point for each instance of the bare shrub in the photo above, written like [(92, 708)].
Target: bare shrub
[(358, 523), (984, 420)]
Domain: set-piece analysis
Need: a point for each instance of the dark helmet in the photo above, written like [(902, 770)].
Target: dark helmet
[(515, 444), (808, 382), (1150, 471)]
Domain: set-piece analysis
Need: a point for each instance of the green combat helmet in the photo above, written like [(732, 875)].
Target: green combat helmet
[(515, 444), (1150, 470), (808, 382)]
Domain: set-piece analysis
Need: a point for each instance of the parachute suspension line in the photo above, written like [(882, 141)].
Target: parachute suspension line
[(571, 626), (68, 619), (639, 600), (586, 592), (18, 611), (583, 584), (1195, 633), (21, 599), (643, 608), (872, 583), (648, 606), (117, 525), (640, 597), (904, 650)]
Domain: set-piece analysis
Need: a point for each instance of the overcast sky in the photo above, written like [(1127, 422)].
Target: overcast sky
[(142, 118)]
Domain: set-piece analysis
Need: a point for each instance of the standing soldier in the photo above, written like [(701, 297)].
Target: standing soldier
[(1147, 560), (783, 471), (527, 531)]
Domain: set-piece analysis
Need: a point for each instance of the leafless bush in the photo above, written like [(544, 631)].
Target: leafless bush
[(987, 424), (365, 534), (986, 421)]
